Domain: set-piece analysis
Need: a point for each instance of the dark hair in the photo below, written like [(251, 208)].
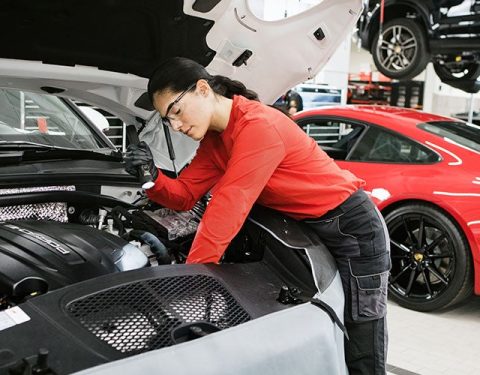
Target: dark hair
[(178, 73), (281, 109)]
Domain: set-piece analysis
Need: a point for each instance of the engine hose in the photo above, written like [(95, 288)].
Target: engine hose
[(88, 217), (119, 225), (117, 212), (158, 248)]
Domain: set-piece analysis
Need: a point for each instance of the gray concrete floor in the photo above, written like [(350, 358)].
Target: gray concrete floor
[(438, 343)]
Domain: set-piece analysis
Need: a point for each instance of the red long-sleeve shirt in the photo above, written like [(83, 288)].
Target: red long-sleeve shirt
[(262, 156)]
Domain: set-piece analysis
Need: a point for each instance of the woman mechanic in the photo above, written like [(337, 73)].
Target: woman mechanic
[(250, 152)]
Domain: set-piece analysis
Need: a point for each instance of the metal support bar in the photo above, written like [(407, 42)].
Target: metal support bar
[(470, 111)]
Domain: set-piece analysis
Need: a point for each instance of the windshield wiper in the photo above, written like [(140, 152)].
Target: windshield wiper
[(24, 145), (30, 151)]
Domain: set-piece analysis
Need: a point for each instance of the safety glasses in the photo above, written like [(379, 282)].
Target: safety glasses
[(165, 119)]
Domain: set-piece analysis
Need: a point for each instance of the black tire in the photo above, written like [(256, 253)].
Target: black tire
[(403, 53), (434, 274), (451, 71)]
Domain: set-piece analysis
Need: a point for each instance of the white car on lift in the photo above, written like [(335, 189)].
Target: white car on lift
[(91, 275)]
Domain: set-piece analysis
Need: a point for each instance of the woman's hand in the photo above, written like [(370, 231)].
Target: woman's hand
[(140, 156)]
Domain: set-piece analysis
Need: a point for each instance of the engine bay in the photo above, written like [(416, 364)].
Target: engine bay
[(55, 236)]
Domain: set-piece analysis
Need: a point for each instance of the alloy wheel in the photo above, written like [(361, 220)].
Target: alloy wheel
[(432, 264), (397, 48), (400, 51), (423, 258)]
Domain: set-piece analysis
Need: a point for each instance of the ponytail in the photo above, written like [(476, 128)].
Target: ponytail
[(178, 73), (227, 87)]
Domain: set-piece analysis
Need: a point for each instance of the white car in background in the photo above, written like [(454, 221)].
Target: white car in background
[(91, 274), (318, 95)]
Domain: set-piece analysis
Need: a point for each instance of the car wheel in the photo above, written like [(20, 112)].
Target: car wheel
[(431, 261), (402, 53), (451, 71)]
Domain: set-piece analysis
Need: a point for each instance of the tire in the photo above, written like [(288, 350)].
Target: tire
[(457, 71), (403, 53), (434, 274)]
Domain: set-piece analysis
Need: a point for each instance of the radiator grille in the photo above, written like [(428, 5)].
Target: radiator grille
[(140, 316)]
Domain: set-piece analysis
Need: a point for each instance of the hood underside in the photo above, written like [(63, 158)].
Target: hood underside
[(118, 35), (87, 38)]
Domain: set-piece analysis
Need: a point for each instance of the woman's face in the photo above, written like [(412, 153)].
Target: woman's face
[(189, 111)]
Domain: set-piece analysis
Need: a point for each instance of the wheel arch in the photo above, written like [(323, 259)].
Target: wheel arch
[(397, 9), (467, 236)]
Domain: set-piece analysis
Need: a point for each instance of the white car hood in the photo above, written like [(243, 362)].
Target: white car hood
[(283, 53)]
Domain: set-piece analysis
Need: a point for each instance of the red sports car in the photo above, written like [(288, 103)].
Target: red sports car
[(423, 172)]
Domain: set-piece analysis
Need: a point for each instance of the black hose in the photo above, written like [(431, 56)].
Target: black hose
[(117, 213), (88, 217), (158, 248)]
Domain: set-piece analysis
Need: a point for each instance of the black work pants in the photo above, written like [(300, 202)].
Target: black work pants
[(356, 235)]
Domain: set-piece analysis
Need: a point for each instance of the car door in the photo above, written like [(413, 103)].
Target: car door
[(389, 162), (381, 157)]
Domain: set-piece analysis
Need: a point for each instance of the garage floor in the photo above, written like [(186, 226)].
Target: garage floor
[(440, 343)]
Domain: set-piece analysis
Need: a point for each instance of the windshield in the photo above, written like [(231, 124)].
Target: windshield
[(462, 133), (27, 117)]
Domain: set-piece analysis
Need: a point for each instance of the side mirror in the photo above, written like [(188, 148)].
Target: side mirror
[(96, 118)]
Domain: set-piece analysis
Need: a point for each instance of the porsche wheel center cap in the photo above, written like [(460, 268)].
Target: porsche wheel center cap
[(418, 257)]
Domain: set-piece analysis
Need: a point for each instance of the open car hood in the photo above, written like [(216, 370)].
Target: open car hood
[(102, 51)]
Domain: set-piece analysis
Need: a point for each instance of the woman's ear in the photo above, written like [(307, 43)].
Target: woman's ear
[(203, 87)]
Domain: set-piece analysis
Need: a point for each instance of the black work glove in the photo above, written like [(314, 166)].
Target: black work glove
[(140, 156)]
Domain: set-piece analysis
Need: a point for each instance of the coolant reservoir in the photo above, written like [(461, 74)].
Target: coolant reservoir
[(129, 258)]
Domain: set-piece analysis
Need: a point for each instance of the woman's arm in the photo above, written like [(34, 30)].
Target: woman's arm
[(194, 181), (258, 150)]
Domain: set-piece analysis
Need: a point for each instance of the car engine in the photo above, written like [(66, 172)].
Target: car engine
[(47, 244)]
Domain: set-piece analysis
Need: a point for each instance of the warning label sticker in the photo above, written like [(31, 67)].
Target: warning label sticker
[(11, 317)]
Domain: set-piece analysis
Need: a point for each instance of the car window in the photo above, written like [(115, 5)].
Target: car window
[(383, 146), (462, 133), (43, 119), (335, 137)]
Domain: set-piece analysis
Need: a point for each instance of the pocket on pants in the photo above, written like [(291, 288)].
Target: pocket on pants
[(338, 243), (368, 286)]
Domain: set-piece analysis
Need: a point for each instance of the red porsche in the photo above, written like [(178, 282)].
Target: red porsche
[(423, 172)]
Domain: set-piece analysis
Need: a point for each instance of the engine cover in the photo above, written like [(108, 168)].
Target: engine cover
[(37, 256)]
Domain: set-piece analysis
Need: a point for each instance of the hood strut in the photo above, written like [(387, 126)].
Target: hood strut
[(171, 151)]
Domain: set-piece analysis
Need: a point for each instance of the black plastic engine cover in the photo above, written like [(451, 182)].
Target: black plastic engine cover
[(127, 313), (37, 256)]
